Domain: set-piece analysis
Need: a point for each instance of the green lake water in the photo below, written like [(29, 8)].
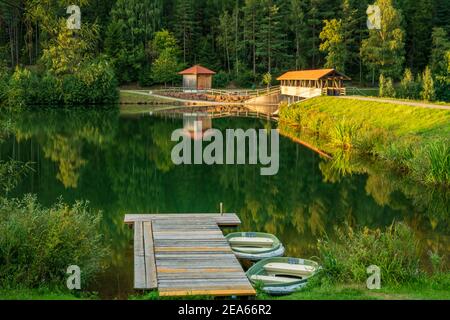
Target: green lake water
[(121, 163)]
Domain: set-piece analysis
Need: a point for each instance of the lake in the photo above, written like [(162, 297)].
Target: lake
[(121, 163)]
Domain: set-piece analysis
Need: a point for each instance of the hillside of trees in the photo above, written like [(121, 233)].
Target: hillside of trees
[(147, 41)]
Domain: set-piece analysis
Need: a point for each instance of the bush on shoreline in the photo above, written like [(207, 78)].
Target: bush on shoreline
[(38, 244), (395, 251), (94, 84)]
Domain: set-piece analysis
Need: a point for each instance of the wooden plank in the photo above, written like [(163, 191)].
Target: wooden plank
[(192, 249), (244, 291), (226, 219), (150, 264), (197, 270), (139, 257)]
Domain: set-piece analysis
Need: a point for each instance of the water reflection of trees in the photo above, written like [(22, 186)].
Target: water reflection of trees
[(125, 166)]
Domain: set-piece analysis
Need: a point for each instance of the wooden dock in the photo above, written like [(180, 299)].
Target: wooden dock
[(186, 254)]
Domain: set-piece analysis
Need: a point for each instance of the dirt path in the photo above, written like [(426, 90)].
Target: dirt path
[(400, 102)]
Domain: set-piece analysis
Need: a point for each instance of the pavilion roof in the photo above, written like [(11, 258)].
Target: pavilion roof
[(311, 74)]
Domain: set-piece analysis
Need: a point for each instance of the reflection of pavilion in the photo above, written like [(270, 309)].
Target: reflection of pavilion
[(196, 124)]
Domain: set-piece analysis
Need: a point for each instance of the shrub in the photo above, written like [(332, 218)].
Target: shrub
[(387, 87), (74, 91), (4, 78), (344, 134), (11, 172), (245, 79), (394, 250), (95, 83), (406, 90), (50, 90), (20, 82), (38, 244), (221, 80), (439, 162), (442, 88), (428, 93), (99, 81)]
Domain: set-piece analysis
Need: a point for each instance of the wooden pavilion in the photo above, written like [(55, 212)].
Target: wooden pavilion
[(197, 78), (312, 83)]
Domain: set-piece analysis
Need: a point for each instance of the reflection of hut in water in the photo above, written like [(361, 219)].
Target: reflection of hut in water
[(196, 124)]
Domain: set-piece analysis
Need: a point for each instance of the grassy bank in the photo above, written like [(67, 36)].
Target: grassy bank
[(412, 139), (131, 98), (434, 288), (42, 294)]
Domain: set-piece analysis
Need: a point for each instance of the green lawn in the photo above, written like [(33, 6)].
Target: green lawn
[(434, 287), (39, 294), (400, 119), (135, 98)]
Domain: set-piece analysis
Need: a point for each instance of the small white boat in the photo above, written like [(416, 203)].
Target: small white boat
[(255, 246), (279, 276)]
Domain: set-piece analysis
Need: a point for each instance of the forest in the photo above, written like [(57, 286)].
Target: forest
[(148, 41)]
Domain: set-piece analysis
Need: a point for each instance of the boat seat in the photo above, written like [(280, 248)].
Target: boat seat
[(289, 269), (267, 280), (249, 249), (251, 242)]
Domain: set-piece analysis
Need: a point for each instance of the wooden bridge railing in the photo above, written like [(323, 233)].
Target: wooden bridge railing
[(220, 92)]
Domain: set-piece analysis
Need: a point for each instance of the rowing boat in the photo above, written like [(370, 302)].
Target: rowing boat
[(255, 246), (280, 276)]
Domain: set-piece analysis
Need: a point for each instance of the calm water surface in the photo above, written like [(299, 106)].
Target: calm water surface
[(121, 164)]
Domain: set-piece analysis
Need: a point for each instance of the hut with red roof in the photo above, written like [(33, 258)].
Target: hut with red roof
[(197, 78)]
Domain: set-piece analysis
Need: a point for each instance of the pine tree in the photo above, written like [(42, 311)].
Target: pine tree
[(386, 87), (419, 28), (440, 47), (297, 24), (428, 92), (315, 25), (383, 51), (270, 44), (133, 23), (185, 26), (407, 85), (225, 38), (251, 22)]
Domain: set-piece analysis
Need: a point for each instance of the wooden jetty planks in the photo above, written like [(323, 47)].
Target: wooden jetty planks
[(150, 263), (186, 255), (140, 281), (226, 219), (144, 258)]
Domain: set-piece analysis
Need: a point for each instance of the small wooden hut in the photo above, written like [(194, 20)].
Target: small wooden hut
[(312, 83), (197, 78)]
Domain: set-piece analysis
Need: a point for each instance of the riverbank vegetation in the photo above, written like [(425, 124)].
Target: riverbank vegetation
[(38, 244), (414, 140), (405, 271)]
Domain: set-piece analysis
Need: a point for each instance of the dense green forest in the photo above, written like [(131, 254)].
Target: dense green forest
[(146, 41)]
